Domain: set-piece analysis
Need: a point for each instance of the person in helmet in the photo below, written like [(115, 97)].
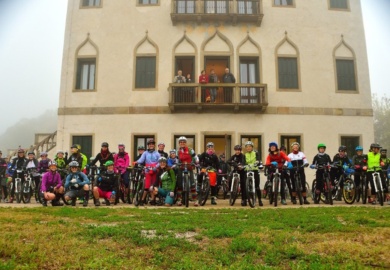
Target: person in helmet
[(103, 156), (19, 163), (279, 159), (374, 161), (60, 159), (77, 183), (51, 188), (343, 163), (385, 160), (319, 161), (209, 159), (43, 164), (238, 161), (121, 163), (150, 158), (76, 155), (141, 150), (172, 160), (106, 185), (167, 179), (359, 161), (187, 155), (161, 147), (298, 159), (3, 178)]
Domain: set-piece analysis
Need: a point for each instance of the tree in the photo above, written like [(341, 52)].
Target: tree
[(381, 107)]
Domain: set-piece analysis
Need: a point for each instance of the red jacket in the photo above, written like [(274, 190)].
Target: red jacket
[(280, 157)]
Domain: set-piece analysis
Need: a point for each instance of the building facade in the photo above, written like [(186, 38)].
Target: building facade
[(300, 66)]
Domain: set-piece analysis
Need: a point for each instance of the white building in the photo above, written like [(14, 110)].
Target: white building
[(301, 74)]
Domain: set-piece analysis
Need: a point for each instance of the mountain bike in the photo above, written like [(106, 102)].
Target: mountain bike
[(139, 185), (275, 179), (28, 187), (186, 182), (349, 187), (204, 187), (378, 186), (250, 185), (135, 174), (296, 177), (327, 193), (224, 185), (235, 187), (18, 185), (63, 173), (123, 195)]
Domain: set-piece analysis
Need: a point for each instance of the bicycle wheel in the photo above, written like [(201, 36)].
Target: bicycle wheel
[(234, 191), (204, 191), (186, 190), (299, 189), (313, 189), (275, 191), (132, 191), (225, 190), (18, 192), (364, 190), (26, 192), (358, 191), (250, 192), (378, 192), (38, 197), (328, 191), (139, 191), (349, 191)]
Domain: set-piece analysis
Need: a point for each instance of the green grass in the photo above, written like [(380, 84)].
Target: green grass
[(178, 238)]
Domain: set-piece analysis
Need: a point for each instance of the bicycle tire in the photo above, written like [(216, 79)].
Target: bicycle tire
[(379, 193), (313, 190), (18, 192), (349, 191), (358, 192), (39, 197), (234, 192), (329, 193), (225, 190), (139, 191), (275, 192), (132, 191), (250, 192), (265, 189), (186, 190), (204, 191), (26, 192), (122, 191), (299, 189)]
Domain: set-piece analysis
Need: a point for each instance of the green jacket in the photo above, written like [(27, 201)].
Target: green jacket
[(251, 158), (168, 179)]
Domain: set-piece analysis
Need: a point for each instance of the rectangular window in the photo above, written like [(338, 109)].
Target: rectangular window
[(140, 140), (247, 6), (86, 69), (148, 2), (338, 4), (288, 73), (216, 6), (345, 74), (256, 139), (145, 74), (249, 74), (86, 144), (350, 142), (287, 140), (283, 2), (90, 3), (185, 6), (190, 141)]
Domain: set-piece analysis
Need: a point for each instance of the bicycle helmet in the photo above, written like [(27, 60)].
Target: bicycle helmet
[(375, 145), (172, 151), (273, 144), (249, 143), (210, 144), (121, 145), (283, 148), (182, 138), (141, 147), (238, 147), (162, 159), (342, 148), (359, 148), (31, 153), (383, 150), (321, 145), (43, 154), (52, 163), (77, 146), (73, 164), (109, 163), (161, 143), (294, 143), (104, 144), (20, 150), (151, 141), (60, 152)]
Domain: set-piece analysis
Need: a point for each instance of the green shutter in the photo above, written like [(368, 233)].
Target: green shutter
[(346, 75), (288, 73), (145, 72), (339, 4)]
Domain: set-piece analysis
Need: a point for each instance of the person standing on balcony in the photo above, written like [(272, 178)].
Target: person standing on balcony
[(178, 91), (228, 91), (189, 91), (213, 78), (203, 79)]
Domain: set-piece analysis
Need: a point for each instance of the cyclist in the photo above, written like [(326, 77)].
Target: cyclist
[(150, 158), (77, 156), (167, 181), (279, 159), (298, 159), (51, 188), (374, 160), (320, 160), (78, 184), (385, 160), (186, 155), (251, 158), (359, 160), (104, 156), (19, 163), (210, 159), (3, 179), (172, 160), (161, 147), (61, 162), (239, 159), (343, 163), (106, 185), (121, 162), (141, 150), (286, 173), (43, 164)]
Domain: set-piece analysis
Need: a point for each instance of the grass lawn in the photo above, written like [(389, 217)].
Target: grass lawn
[(178, 238)]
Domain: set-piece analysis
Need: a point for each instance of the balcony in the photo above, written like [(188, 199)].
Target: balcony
[(233, 11), (231, 98)]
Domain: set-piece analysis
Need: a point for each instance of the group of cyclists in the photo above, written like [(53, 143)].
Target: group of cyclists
[(71, 177)]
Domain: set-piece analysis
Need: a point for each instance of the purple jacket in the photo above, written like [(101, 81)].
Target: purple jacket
[(49, 180)]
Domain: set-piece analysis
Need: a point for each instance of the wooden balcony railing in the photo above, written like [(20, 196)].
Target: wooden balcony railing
[(234, 11), (230, 97)]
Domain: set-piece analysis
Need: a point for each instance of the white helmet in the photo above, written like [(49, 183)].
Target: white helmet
[(249, 143), (182, 138)]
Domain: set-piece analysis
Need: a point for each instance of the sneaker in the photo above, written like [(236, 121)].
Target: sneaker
[(44, 203), (260, 203), (56, 203), (196, 203), (97, 202), (107, 202), (283, 202), (85, 203), (11, 200), (243, 203), (373, 202), (305, 201), (73, 202), (294, 201), (152, 202), (179, 203), (370, 200), (213, 201)]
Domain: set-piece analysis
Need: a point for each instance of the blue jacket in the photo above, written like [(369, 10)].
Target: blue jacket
[(80, 177)]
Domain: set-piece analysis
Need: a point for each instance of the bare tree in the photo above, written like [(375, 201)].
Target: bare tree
[(381, 107)]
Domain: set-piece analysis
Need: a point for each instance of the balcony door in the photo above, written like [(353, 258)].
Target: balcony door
[(222, 144), (218, 64), (249, 74)]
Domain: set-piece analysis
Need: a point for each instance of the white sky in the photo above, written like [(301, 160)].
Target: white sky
[(31, 43)]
